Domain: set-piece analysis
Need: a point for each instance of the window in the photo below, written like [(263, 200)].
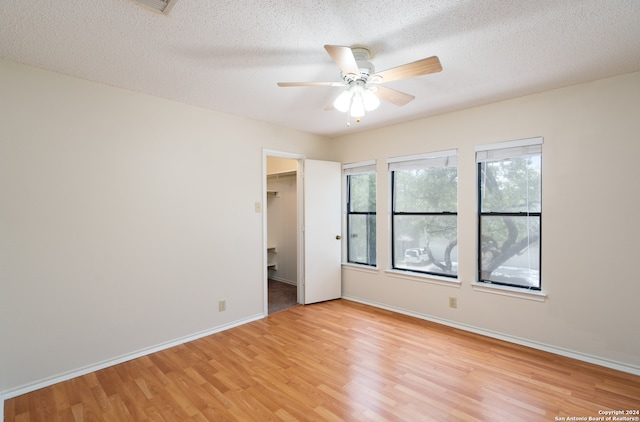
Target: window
[(361, 212), (424, 215), (509, 213)]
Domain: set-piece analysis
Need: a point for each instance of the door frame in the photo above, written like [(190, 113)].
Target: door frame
[(299, 222)]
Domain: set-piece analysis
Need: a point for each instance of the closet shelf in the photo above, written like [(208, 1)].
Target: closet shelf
[(271, 258), (279, 174)]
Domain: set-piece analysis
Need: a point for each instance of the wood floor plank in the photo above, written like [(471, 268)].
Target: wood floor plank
[(336, 361)]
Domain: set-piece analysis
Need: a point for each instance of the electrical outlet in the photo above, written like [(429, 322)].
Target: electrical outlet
[(222, 305), (453, 302)]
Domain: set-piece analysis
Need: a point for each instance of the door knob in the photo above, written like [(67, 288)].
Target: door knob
[(338, 237)]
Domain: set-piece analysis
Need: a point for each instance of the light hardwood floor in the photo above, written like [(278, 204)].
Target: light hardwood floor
[(334, 361)]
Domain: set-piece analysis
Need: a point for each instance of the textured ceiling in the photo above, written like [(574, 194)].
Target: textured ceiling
[(228, 55)]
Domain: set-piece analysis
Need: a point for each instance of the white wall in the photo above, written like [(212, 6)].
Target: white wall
[(590, 227), (123, 220), (121, 216)]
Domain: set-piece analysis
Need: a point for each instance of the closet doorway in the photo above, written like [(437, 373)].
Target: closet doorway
[(283, 243)]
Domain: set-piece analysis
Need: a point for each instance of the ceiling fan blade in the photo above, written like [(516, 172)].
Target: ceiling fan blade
[(343, 56), (392, 96), (311, 84), (410, 70)]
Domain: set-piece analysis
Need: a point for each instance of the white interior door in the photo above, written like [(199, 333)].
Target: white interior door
[(322, 228)]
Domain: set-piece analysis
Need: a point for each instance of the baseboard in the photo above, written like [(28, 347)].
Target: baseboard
[(635, 370), (27, 388), (282, 280)]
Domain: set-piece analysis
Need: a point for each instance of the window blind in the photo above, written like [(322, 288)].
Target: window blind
[(359, 167), (447, 158), (509, 149)]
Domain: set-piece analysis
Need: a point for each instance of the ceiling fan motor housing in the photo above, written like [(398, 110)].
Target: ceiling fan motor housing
[(362, 56)]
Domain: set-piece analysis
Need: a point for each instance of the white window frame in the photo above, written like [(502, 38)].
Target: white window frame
[(491, 152), (360, 167), (432, 159)]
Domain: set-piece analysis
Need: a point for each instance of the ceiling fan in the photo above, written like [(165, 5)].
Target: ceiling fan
[(363, 86)]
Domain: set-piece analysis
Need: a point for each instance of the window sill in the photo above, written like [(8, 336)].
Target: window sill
[(358, 267), (426, 278), (535, 295)]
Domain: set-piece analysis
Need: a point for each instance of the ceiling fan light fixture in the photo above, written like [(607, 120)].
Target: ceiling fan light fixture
[(370, 100), (357, 106), (343, 102), (363, 90)]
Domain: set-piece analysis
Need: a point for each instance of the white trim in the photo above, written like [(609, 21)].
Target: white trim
[(537, 295), (424, 156), (389, 242), (360, 267), (27, 388), (282, 154), (344, 214), (607, 363), (538, 140), (299, 222)]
